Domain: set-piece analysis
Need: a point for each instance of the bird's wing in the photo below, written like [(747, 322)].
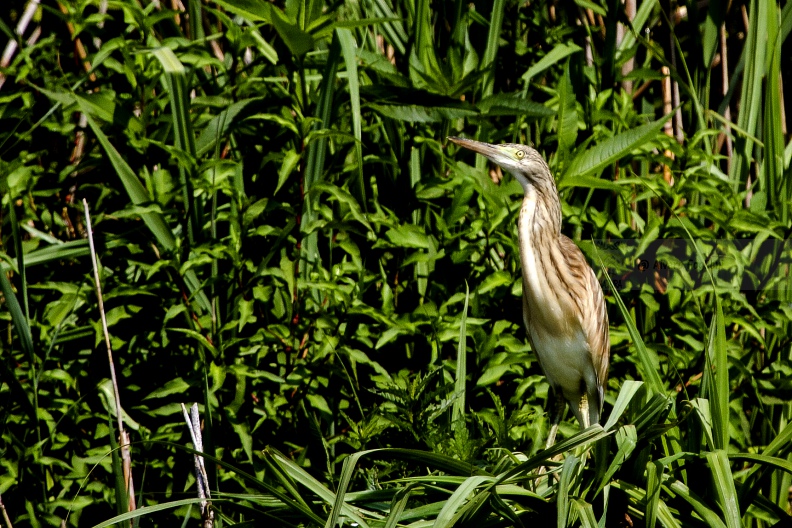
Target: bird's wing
[(595, 315)]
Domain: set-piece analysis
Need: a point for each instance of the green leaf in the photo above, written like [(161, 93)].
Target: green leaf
[(138, 194), (219, 126), (628, 390), (348, 48), (723, 480), (458, 499), (174, 386), (567, 115), (626, 440), (503, 104), (423, 114), (754, 56), (719, 387), (290, 161), (298, 41), (710, 517), (613, 149), (554, 56), (175, 79), (647, 357), (568, 472), (460, 378), (25, 338), (253, 10)]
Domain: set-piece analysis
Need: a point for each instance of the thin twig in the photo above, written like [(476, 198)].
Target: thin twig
[(629, 64), (97, 42), (202, 479), (5, 514), (675, 92), (79, 48), (588, 45), (123, 436), (11, 47)]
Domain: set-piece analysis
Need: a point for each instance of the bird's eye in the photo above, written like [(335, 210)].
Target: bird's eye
[(520, 154)]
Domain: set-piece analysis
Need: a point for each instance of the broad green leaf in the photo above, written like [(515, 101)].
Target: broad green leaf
[(174, 386), (626, 440), (290, 161), (628, 390), (458, 499), (567, 115), (596, 158), (502, 104), (422, 114), (218, 127), (554, 56)]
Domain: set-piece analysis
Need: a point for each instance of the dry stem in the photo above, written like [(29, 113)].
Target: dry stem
[(123, 441), (11, 47), (201, 478), (6, 518), (668, 127)]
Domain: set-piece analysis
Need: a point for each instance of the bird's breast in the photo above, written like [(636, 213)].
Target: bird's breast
[(552, 317), (547, 284)]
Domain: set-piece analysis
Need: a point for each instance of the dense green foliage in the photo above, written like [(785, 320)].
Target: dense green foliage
[(286, 238)]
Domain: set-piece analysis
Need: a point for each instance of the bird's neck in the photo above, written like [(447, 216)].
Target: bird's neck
[(540, 215), (539, 230)]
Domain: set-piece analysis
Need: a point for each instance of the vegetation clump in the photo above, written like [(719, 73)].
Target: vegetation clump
[(283, 235)]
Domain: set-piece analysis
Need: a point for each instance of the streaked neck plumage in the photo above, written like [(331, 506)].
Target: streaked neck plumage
[(541, 209), (539, 231)]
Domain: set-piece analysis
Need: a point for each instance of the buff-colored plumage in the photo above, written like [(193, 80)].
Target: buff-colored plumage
[(563, 306)]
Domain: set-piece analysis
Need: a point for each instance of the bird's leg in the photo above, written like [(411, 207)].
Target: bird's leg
[(558, 412), (584, 410)]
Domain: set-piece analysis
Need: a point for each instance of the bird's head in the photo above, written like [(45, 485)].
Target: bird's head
[(522, 161)]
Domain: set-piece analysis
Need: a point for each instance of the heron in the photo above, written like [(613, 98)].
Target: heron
[(563, 305)]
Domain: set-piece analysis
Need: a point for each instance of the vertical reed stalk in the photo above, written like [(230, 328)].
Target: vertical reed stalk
[(123, 441)]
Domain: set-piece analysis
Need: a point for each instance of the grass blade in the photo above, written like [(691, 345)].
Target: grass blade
[(316, 154), (175, 80), (628, 390), (723, 480), (491, 50), (20, 258), (562, 497), (718, 378), (25, 338), (750, 98), (349, 49), (647, 358), (458, 413), (710, 517), (459, 498)]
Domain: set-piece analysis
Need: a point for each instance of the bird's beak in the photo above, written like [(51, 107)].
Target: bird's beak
[(498, 154), (492, 152)]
